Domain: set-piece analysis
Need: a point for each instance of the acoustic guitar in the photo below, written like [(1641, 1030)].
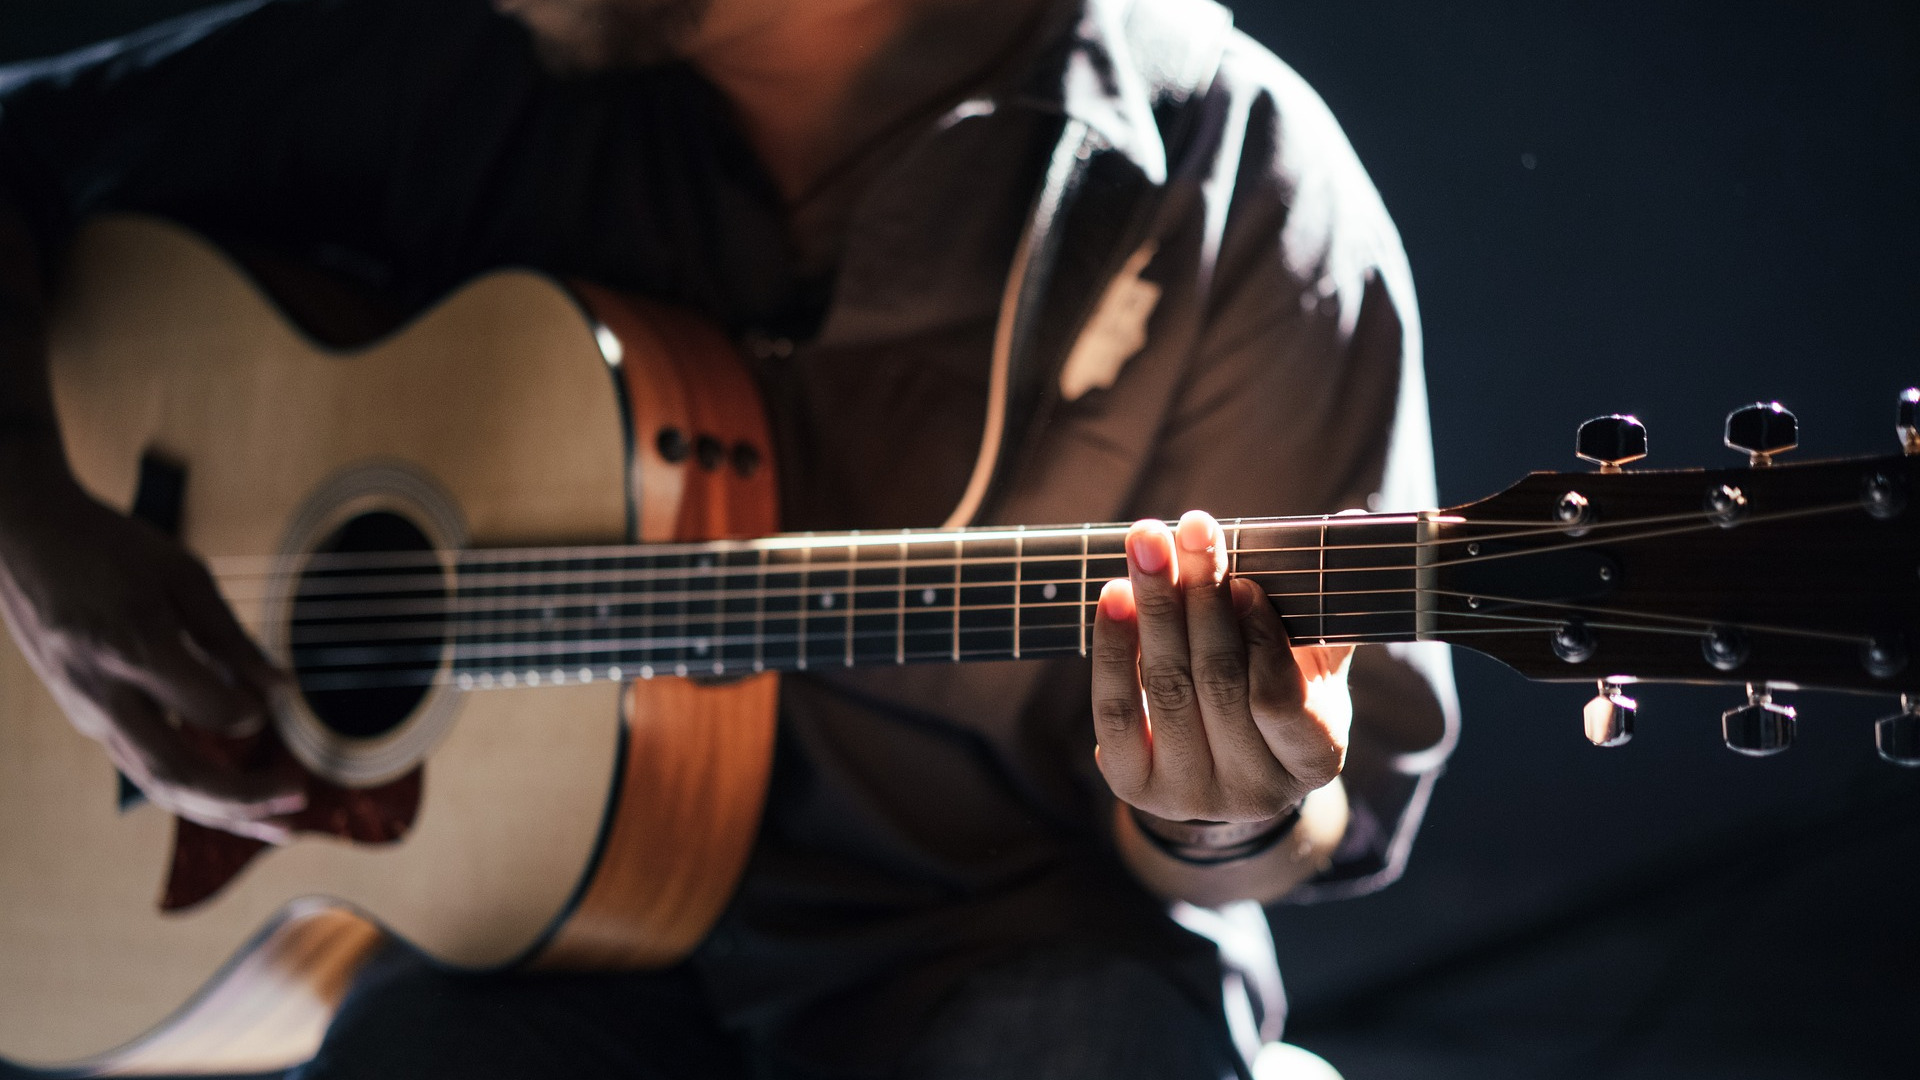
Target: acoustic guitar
[(521, 557)]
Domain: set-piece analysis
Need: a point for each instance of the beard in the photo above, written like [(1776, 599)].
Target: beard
[(583, 37)]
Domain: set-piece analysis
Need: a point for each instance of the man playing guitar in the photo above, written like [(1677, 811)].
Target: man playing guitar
[(944, 885)]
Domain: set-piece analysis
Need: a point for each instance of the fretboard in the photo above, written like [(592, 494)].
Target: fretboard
[(801, 602)]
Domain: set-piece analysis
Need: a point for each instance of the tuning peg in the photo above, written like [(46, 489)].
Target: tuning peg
[(1898, 736), (1611, 441), (1907, 422), (1609, 716), (1761, 430), (1758, 728)]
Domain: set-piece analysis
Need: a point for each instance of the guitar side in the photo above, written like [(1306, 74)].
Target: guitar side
[(546, 826)]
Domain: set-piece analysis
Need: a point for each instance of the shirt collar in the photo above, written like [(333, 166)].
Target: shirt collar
[(1083, 69)]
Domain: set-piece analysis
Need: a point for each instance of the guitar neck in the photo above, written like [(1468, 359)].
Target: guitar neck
[(805, 601)]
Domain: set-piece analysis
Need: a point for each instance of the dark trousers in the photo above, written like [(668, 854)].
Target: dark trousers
[(1050, 1015)]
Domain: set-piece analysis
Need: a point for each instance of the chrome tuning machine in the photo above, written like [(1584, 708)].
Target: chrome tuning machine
[(1611, 441), (1762, 430), (1609, 716), (1759, 728), (1898, 736)]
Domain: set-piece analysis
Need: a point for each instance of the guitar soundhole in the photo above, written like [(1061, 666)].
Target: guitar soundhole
[(369, 625)]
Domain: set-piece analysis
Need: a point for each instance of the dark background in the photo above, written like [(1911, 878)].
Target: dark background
[(1669, 209)]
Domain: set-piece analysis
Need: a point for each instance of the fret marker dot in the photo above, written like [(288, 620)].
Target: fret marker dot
[(646, 671), (557, 678), (680, 670), (826, 600), (586, 674), (928, 596), (546, 613), (533, 678), (1050, 591), (508, 679), (719, 668), (486, 679), (603, 611), (700, 646), (614, 674), (466, 682)]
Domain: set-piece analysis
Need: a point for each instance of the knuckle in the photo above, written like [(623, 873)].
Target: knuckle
[(1113, 716), (1156, 603), (1222, 682), (1320, 765), (1112, 649), (1279, 701), (1167, 690)]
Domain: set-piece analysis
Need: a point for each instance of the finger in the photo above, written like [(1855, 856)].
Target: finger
[(212, 624), (178, 675), (155, 758), (1124, 746), (1181, 760), (1301, 739), (1217, 655)]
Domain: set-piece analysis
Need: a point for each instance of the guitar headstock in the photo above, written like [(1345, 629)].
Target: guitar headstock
[(1772, 576)]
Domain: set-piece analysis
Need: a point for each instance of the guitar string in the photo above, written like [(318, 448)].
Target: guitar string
[(530, 656), (719, 615), (469, 596), (234, 565), (685, 637), (682, 617), (516, 619), (472, 601), (565, 668), (472, 559)]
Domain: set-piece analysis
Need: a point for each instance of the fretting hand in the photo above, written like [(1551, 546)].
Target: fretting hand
[(1201, 708)]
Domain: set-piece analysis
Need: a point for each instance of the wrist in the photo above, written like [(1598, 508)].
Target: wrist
[(1212, 843)]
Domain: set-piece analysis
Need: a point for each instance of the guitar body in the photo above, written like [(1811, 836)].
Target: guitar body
[(591, 824)]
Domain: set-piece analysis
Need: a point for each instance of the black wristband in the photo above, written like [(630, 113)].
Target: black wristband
[(1211, 843)]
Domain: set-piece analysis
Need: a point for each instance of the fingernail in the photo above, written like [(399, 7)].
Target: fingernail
[(1149, 554), (1113, 603), (1194, 533)]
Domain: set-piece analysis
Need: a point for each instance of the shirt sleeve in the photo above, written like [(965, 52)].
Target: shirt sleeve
[(1306, 392)]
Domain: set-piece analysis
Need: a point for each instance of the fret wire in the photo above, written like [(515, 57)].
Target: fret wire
[(1323, 579), (1082, 587), (800, 619), (760, 612), (900, 616), (853, 571), (1019, 546), (957, 553)]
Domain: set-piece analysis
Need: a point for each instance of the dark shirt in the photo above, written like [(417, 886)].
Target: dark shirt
[(920, 821)]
